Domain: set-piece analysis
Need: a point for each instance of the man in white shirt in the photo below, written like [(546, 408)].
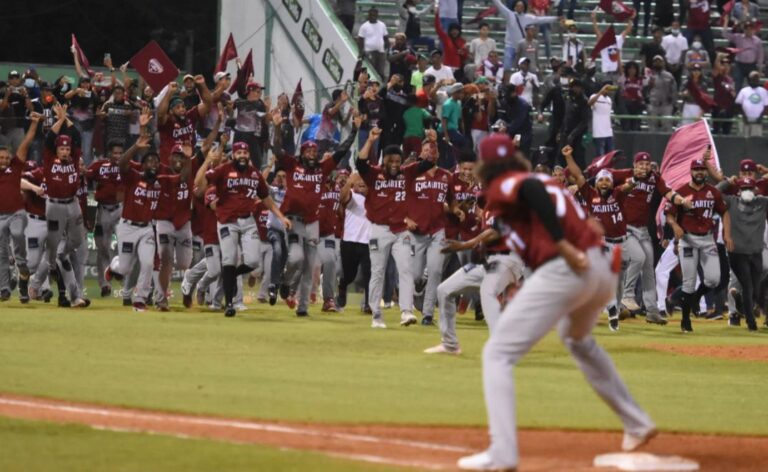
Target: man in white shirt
[(437, 69), (602, 131), (526, 81), (481, 46), (610, 57), (753, 99), (675, 45), (354, 242), (372, 40)]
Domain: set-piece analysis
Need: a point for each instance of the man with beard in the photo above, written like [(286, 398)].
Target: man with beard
[(304, 185), (175, 123)]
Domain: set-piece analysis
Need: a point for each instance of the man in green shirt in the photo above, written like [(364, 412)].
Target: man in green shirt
[(450, 121), (417, 76), (414, 118)]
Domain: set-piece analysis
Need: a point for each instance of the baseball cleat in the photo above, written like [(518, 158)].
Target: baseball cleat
[(162, 305), (46, 296), (64, 303), (714, 316), (428, 321), (200, 298), (378, 323), (261, 300), (241, 306), (633, 442), (407, 319), (34, 294), (482, 461), (127, 302), (80, 303), (139, 307), (655, 318), (230, 311), (302, 314), (109, 275), (329, 306), (272, 294), (106, 291), (291, 302), (251, 281), (186, 299), (734, 320), (442, 349), (685, 326), (613, 324), (5, 295), (284, 291), (630, 303)]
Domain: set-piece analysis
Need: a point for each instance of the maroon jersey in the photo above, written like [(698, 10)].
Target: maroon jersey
[(175, 203), (237, 191), (61, 177), (329, 211), (462, 192), (497, 246), (33, 203), (524, 230), (140, 196), (304, 187), (385, 203), (106, 175), (176, 131), (427, 195), (706, 202), (10, 183), (608, 211), (262, 216), (205, 219), (637, 205)]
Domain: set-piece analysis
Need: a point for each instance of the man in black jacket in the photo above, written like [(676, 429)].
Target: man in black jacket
[(575, 121), (516, 113)]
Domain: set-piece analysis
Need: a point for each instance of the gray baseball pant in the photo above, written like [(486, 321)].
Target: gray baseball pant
[(37, 234), (302, 253), (694, 250), (203, 274), (234, 236), (328, 250), (427, 254), (197, 250), (554, 296), (384, 242), (136, 245), (65, 225), (639, 249), (465, 281), (616, 302), (12, 229), (265, 256), (107, 218), (502, 270), (175, 250)]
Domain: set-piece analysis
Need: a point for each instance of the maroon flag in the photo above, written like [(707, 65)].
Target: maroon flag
[(490, 11), (728, 7), (297, 102), (603, 162), (81, 56), (702, 98), (607, 40), (154, 65), (229, 53), (619, 11), (244, 73)]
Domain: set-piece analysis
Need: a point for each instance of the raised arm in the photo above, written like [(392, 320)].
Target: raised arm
[(573, 168), (21, 153), (162, 107), (345, 146), (373, 135), (595, 28), (206, 100), (211, 138), (346, 190), (201, 181), (277, 140), (142, 144)]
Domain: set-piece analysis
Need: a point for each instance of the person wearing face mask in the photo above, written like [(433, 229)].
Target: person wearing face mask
[(753, 99), (693, 229), (750, 56), (662, 95), (697, 55), (699, 26), (574, 53), (14, 105), (675, 46)]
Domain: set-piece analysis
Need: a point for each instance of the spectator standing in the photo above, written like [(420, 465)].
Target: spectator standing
[(411, 14), (743, 10), (517, 19), (438, 69), (394, 104), (527, 82), (693, 108), (574, 54), (698, 24), (662, 94), (479, 107), (355, 239), (449, 13), (415, 118), (117, 113), (540, 8), (13, 108), (697, 54), (450, 126), (632, 100), (554, 100), (482, 45), (252, 121), (753, 99), (401, 58), (725, 94), (515, 112), (417, 76), (370, 106), (83, 103), (652, 48), (455, 52), (332, 114), (492, 69), (602, 131), (647, 10), (528, 48), (675, 46), (372, 38), (750, 56), (345, 10), (610, 57), (575, 121)]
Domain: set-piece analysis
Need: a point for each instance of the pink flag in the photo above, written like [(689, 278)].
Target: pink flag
[(603, 162), (81, 56)]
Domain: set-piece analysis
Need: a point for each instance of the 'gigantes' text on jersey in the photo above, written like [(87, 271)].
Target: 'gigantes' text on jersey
[(706, 202), (463, 192), (329, 211), (61, 177), (607, 210), (106, 175), (237, 191), (304, 187), (427, 196)]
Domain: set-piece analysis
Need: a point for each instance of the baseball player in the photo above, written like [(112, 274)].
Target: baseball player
[(207, 270), (105, 173), (386, 209), (695, 239), (36, 232), (637, 211), (13, 219), (176, 124), (304, 185), (238, 184), (573, 279), (61, 167), (606, 204), (329, 243), (265, 251)]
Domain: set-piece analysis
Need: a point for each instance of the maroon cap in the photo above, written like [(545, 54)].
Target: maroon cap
[(748, 165), (746, 182), (240, 146), (177, 149), (253, 85), (307, 145), (63, 140), (642, 156), (698, 164), (496, 147)]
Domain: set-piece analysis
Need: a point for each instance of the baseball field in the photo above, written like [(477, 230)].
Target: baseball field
[(112, 390)]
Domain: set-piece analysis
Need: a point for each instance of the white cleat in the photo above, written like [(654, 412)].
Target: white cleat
[(632, 442), (241, 307), (481, 461), (407, 319), (378, 323), (630, 304), (441, 349)]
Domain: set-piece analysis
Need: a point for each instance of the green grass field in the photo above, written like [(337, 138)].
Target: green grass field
[(267, 364)]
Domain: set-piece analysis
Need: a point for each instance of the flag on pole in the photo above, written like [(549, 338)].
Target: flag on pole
[(229, 53), (603, 162), (607, 40), (244, 73), (616, 8), (297, 102), (81, 56), (154, 66), (686, 144)]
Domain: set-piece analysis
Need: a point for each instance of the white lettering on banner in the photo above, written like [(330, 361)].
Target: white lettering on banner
[(431, 185), (154, 66), (387, 184)]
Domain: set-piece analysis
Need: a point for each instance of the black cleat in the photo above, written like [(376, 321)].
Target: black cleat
[(5, 295), (46, 296), (734, 320), (285, 291), (127, 302), (427, 321), (64, 302), (341, 298), (613, 324), (272, 294), (685, 326), (230, 311), (302, 314), (187, 300), (106, 291), (24, 290)]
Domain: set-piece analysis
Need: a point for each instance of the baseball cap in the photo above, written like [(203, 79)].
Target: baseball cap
[(576, 83), (698, 164), (188, 76), (482, 80), (176, 101), (428, 79), (253, 85), (522, 60), (220, 75), (604, 174), (435, 52), (14, 73), (746, 182), (240, 146), (748, 165), (307, 145), (457, 87), (642, 156), (496, 147), (63, 140), (177, 149), (658, 57), (569, 23)]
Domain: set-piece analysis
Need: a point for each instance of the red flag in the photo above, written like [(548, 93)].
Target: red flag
[(229, 53), (619, 11), (607, 40), (154, 65), (490, 11), (81, 56), (728, 7), (244, 74), (603, 162), (297, 102), (702, 99)]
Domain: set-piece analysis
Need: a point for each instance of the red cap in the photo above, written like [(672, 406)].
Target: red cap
[(642, 156), (177, 149), (748, 165), (307, 145), (240, 146), (63, 140), (746, 182), (496, 147), (698, 164), (253, 85)]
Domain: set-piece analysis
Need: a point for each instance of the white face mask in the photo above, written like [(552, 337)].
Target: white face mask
[(675, 32), (29, 83), (696, 45), (747, 195), (563, 81)]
